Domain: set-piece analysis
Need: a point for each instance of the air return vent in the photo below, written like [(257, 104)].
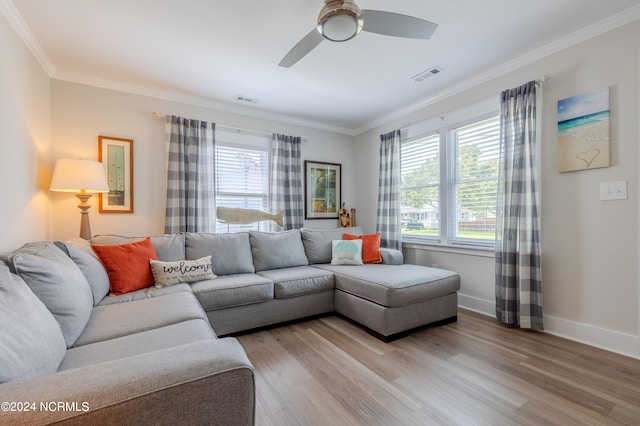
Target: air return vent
[(426, 74), (247, 99)]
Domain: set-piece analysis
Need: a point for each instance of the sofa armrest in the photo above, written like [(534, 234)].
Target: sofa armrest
[(391, 256), (198, 383)]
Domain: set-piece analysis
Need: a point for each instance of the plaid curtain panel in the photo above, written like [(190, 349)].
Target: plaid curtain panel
[(518, 269), (286, 181), (388, 217), (190, 176)]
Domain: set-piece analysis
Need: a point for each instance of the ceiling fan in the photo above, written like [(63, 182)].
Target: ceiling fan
[(343, 20)]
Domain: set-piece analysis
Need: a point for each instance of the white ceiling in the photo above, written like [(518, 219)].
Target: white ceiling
[(209, 51)]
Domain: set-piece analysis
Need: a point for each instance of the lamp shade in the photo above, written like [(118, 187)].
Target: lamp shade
[(79, 176)]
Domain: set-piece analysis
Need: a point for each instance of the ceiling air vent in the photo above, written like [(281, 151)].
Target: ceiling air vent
[(246, 99), (426, 74)]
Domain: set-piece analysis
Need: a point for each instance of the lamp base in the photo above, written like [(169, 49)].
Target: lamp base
[(85, 227)]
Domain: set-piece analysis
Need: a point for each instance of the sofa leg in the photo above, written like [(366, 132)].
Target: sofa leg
[(392, 337), (387, 339), (445, 321)]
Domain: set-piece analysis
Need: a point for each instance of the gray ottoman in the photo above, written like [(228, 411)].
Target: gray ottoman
[(391, 299)]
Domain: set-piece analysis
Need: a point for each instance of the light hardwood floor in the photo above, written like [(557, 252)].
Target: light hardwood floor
[(329, 371)]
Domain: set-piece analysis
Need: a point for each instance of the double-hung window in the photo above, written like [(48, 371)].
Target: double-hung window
[(420, 197), (242, 178), (449, 184), (472, 185)]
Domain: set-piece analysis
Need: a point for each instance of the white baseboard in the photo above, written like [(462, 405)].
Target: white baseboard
[(609, 340), (482, 306)]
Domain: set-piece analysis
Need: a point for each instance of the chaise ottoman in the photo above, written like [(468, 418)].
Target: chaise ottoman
[(391, 299)]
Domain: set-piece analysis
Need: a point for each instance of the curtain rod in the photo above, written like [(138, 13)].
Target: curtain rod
[(227, 128), (232, 128), (539, 82), (245, 131)]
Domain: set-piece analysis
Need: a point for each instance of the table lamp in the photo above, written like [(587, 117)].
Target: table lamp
[(82, 177)]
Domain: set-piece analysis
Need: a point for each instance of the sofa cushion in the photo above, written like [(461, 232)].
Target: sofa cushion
[(298, 281), (146, 293), (346, 252), (80, 251), (168, 247), (394, 285), (58, 283), (277, 250), (370, 246), (134, 344), (127, 265), (182, 271), (233, 290), (230, 253), (32, 343), (122, 319), (317, 243)]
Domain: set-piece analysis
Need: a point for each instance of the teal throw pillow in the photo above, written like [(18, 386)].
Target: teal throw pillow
[(346, 252)]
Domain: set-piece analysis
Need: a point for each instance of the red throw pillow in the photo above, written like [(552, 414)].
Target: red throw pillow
[(127, 265), (370, 247)]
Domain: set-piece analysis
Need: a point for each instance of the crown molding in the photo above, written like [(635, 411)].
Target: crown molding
[(199, 101), (24, 32), (601, 27)]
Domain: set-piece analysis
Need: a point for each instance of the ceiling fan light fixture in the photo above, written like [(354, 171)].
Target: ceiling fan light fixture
[(340, 20)]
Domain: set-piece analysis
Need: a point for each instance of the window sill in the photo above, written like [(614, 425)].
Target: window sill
[(468, 250)]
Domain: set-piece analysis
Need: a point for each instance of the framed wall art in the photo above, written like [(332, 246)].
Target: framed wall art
[(322, 190), (116, 154), (584, 131)]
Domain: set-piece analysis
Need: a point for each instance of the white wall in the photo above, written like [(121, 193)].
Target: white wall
[(80, 113), (25, 156), (590, 247)]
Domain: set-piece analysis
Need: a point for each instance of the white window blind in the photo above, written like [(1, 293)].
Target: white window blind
[(473, 192), (242, 180), (420, 198)]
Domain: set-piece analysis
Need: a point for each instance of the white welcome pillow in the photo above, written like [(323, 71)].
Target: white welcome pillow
[(181, 271)]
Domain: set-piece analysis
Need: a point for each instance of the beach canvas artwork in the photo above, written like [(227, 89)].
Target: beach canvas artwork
[(584, 131)]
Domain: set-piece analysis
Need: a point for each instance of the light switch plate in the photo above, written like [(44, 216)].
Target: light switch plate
[(613, 190)]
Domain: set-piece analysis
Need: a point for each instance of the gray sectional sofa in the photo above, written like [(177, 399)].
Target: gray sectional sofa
[(72, 353)]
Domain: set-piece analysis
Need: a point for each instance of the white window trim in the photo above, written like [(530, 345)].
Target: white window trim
[(481, 251), (450, 182)]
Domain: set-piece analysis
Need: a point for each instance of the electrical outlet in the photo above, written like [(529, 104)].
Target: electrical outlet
[(613, 190)]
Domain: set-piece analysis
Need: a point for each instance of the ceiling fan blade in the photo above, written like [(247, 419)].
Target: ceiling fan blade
[(395, 24), (304, 46)]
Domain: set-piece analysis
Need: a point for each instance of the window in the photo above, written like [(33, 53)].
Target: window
[(420, 194), (473, 187), (242, 180), (449, 184)]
